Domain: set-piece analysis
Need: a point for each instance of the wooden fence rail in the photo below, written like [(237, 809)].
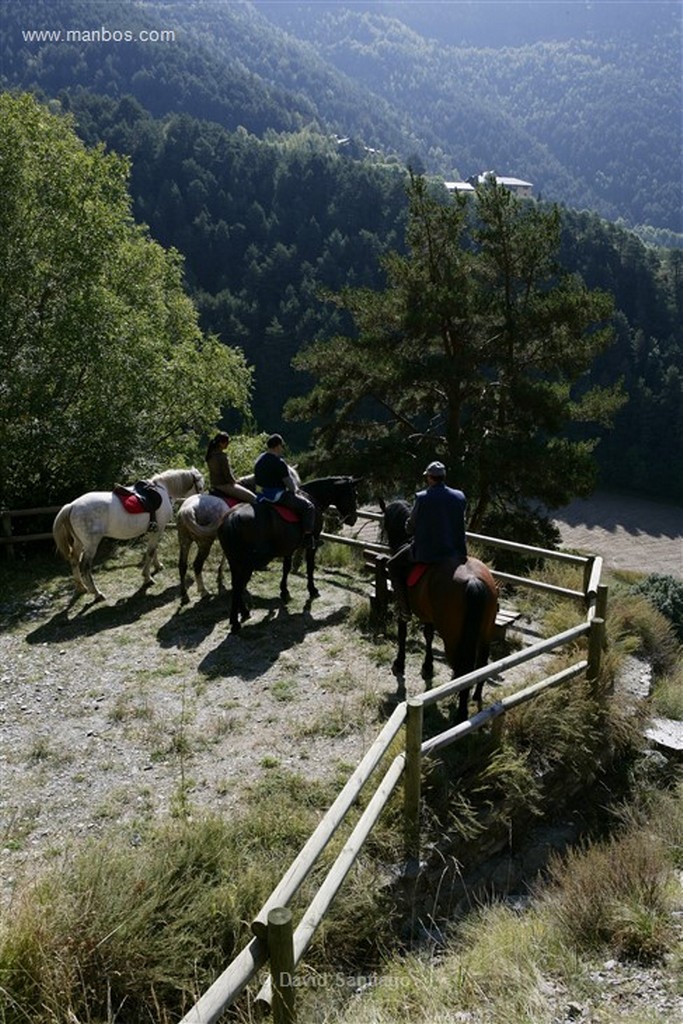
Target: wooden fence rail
[(10, 539), (275, 940)]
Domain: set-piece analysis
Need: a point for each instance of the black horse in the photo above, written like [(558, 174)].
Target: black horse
[(253, 535)]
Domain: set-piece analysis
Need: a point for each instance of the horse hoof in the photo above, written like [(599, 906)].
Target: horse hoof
[(97, 598), (398, 668), (314, 592)]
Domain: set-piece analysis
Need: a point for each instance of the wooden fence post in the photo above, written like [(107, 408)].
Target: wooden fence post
[(412, 792), (381, 595), (281, 954), (601, 601), (596, 639), (6, 531)]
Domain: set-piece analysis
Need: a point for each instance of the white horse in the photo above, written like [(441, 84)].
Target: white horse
[(80, 526), (198, 520)]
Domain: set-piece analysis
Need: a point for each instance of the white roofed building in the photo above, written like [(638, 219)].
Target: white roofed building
[(516, 185)]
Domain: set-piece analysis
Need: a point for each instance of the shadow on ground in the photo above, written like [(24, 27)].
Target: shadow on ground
[(258, 645)]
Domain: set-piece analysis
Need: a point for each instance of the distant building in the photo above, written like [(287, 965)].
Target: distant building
[(459, 186), (516, 185)]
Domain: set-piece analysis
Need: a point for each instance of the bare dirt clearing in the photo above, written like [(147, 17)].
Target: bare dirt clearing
[(115, 713), (630, 533)]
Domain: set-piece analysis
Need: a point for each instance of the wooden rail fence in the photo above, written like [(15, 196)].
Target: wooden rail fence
[(276, 941), (9, 539)]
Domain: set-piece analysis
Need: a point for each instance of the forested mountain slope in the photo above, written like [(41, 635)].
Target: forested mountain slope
[(231, 130), (586, 106), (584, 102)]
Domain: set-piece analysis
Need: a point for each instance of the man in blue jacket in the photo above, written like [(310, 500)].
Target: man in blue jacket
[(437, 525)]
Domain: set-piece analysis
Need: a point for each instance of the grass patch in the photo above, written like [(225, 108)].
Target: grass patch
[(667, 696), (284, 690), (510, 966)]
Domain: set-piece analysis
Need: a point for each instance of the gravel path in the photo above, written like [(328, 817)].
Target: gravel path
[(112, 713)]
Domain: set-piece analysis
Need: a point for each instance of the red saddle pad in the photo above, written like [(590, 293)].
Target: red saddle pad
[(131, 503), (288, 514), (416, 573), (229, 501)]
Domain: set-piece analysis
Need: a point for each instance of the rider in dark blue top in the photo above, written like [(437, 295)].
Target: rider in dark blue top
[(437, 525), (274, 482), (437, 520)]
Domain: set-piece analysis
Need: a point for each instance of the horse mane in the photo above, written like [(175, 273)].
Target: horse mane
[(323, 481), (184, 476), (324, 485)]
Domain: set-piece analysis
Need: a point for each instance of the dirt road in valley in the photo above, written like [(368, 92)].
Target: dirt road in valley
[(629, 533)]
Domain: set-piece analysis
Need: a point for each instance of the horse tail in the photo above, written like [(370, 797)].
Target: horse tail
[(63, 534), (477, 596)]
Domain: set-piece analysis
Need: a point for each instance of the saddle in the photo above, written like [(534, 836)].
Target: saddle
[(286, 513), (229, 501), (416, 572), (143, 496)]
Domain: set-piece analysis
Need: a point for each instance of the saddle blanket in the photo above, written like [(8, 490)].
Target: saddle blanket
[(416, 573), (131, 503), (230, 502), (286, 513)]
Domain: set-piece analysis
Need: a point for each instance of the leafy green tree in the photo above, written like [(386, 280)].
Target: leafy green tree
[(105, 370), (475, 352)]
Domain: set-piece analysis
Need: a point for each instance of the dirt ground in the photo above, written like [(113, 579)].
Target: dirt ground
[(629, 533)]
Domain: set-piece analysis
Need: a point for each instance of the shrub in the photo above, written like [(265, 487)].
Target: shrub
[(637, 627), (666, 594), (616, 895)]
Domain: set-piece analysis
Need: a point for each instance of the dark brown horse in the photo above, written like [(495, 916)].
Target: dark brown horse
[(253, 535), (459, 601)]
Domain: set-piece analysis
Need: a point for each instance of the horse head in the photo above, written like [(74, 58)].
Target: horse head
[(197, 480), (394, 524), (346, 498)]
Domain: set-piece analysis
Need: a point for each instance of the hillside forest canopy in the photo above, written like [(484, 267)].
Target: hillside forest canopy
[(241, 179), (583, 100)]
